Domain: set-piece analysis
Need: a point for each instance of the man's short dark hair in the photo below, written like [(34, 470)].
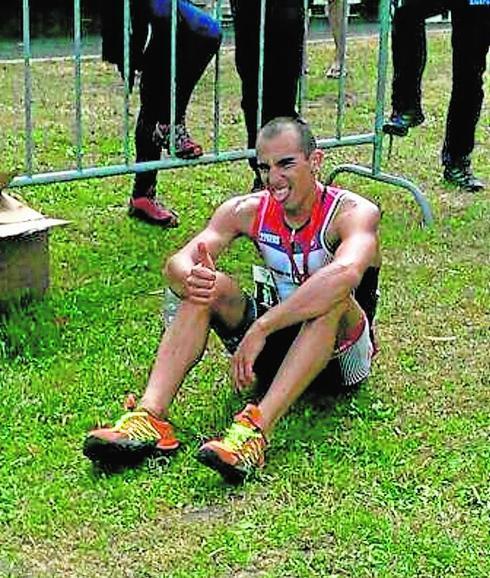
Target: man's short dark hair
[(276, 126)]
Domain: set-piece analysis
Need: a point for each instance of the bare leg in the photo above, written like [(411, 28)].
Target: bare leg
[(335, 17), (306, 358), (184, 341)]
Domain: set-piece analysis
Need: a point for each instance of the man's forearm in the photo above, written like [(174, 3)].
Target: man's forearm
[(319, 295)]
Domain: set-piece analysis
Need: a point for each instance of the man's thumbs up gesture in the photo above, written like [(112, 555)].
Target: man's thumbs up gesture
[(201, 281), (205, 258)]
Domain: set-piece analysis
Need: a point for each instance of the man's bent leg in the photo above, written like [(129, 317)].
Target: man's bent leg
[(145, 431), (183, 342), (181, 347), (307, 357), (242, 448)]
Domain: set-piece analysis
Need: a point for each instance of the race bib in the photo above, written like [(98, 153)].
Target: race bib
[(265, 287)]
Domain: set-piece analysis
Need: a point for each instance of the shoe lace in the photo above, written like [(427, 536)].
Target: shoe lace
[(245, 442), (158, 204), (468, 175), (161, 134), (137, 426), (462, 173), (183, 140), (151, 195)]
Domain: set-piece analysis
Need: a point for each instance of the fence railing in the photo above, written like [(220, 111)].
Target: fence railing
[(80, 170)]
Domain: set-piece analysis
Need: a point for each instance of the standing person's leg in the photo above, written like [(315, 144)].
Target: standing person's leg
[(246, 20), (409, 52), (283, 60), (198, 40), (145, 430), (144, 203), (470, 42), (336, 20)]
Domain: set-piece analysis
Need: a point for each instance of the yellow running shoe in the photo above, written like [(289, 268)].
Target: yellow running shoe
[(135, 436), (241, 451)]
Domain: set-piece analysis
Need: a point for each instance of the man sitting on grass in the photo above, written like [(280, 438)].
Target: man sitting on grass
[(310, 318)]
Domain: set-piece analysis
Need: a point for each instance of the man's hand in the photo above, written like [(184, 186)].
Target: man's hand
[(200, 284), (244, 358)]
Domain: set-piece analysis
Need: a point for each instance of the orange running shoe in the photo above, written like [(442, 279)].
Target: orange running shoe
[(240, 451), (135, 436)]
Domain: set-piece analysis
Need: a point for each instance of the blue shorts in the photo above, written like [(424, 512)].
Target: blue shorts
[(195, 19)]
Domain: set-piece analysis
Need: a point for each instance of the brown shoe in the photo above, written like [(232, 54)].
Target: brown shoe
[(151, 210)]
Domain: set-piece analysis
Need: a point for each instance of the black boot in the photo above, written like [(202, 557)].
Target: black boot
[(400, 122), (459, 173)]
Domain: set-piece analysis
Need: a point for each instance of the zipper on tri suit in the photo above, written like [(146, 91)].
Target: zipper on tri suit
[(295, 274)]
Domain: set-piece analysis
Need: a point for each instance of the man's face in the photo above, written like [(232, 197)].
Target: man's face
[(287, 173)]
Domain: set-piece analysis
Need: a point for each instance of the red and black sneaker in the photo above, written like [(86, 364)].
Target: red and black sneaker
[(241, 451), (151, 210), (185, 146), (135, 436)]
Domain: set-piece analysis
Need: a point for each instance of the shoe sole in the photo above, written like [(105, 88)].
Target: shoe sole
[(229, 473), (462, 187), (395, 130), (124, 453)]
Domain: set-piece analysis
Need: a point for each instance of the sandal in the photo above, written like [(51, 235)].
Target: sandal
[(334, 72)]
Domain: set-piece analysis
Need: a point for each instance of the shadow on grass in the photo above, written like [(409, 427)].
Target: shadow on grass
[(99, 470)]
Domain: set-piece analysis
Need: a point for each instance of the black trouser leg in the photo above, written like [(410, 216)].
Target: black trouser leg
[(470, 42), (196, 46), (409, 51), (146, 150), (283, 56)]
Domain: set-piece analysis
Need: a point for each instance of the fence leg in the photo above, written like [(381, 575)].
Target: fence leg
[(417, 194)]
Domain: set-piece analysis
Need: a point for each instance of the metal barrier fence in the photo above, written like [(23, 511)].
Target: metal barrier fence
[(373, 138)]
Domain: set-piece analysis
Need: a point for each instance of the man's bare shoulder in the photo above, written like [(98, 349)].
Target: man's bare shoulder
[(240, 212), (356, 210), (354, 231)]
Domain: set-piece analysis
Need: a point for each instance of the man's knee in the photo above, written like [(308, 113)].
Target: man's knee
[(171, 273), (232, 320), (340, 320), (226, 298)]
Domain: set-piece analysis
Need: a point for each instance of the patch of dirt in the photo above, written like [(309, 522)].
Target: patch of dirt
[(206, 514)]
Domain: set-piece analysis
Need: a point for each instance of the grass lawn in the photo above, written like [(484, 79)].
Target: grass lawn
[(392, 482)]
